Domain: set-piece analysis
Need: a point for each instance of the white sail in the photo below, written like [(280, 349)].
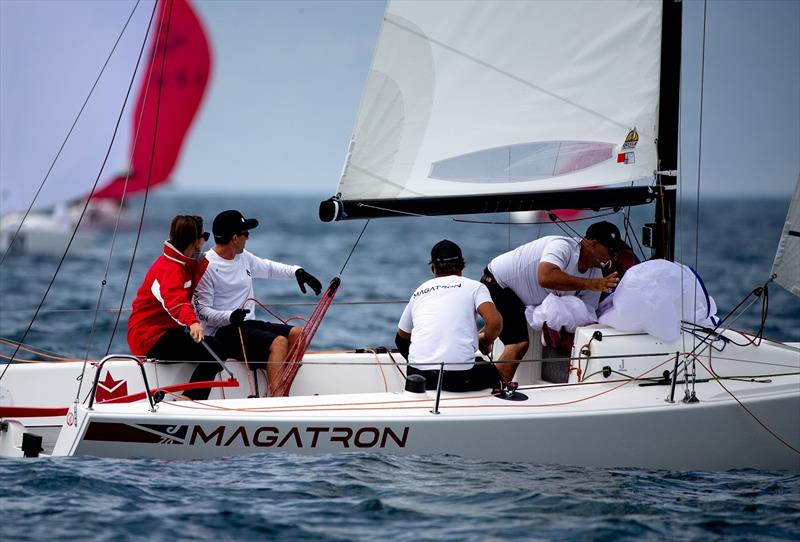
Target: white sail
[(492, 97), (786, 267)]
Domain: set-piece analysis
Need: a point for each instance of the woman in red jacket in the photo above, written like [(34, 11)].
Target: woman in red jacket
[(163, 308)]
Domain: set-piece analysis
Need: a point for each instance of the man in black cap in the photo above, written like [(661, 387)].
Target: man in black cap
[(526, 275), (439, 326), (225, 301)]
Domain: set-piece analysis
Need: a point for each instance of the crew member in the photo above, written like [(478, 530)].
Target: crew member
[(162, 309), (225, 301), (439, 325), (526, 275)]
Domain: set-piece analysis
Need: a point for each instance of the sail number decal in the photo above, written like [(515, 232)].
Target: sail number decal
[(631, 139)]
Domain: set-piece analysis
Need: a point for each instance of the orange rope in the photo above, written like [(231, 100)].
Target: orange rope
[(380, 368), (30, 350), (422, 403), (300, 346), (762, 424)]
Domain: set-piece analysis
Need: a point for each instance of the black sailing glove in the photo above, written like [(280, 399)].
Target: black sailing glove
[(303, 278), (237, 316)]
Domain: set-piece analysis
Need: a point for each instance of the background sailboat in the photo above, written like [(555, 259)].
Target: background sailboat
[(168, 99)]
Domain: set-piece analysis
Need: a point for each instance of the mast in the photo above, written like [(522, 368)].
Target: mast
[(668, 117)]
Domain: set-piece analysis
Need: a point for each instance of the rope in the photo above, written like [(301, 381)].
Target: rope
[(69, 133), (122, 198), (347, 260), (86, 204), (537, 223), (762, 424), (293, 304), (300, 346), (250, 384)]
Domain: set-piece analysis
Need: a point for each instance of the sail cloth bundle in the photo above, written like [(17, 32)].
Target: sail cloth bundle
[(565, 312), (655, 296)]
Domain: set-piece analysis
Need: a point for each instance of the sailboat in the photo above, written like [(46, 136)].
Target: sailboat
[(482, 107), (42, 222)]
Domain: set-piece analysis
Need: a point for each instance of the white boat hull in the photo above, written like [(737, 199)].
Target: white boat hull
[(346, 402), (629, 427)]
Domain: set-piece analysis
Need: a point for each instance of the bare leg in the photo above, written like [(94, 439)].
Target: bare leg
[(294, 334), (277, 354), (511, 352)]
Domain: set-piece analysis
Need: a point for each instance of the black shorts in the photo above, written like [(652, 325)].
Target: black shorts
[(480, 376), (510, 307), (177, 345), (256, 335)]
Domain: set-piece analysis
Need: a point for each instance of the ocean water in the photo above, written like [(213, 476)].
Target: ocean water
[(363, 496)]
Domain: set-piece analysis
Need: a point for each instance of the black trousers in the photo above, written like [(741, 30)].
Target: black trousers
[(177, 345), (480, 376), (257, 337)]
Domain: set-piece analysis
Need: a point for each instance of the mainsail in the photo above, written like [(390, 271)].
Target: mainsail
[(172, 89), (786, 267), (476, 98)]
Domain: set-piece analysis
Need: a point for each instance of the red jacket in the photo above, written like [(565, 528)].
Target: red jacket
[(164, 300)]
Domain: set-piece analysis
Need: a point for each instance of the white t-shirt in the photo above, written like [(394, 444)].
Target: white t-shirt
[(227, 283), (441, 319), (518, 269)]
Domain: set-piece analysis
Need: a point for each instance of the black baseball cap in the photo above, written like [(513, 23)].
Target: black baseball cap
[(607, 234), (445, 251), (231, 222)]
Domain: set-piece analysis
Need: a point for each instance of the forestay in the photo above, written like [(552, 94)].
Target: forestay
[(786, 266), (472, 98)]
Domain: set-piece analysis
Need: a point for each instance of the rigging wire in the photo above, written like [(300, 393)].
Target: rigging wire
[(86, 204), (69, 133), (354, 247), (121, 204), (537, 223), (128, 309), (699, 169), (149, 176)]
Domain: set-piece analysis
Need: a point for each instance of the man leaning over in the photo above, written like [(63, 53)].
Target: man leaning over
[(526, 275)]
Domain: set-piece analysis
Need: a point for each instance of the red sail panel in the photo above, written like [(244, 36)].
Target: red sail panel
[(171, 99)]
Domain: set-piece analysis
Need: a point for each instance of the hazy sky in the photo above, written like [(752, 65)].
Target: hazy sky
[(288, 77)]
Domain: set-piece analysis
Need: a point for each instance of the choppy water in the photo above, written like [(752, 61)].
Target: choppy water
[(364, 497), (368, 497)]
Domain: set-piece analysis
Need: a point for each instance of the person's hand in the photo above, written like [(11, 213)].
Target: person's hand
[(196, 332), (484, 345), (237, 316), (604, 284), (303, 278)]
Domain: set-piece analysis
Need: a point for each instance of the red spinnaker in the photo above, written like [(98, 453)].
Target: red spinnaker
[(180, 44)]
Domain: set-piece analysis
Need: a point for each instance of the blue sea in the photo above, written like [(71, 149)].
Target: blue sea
[(363, 496)]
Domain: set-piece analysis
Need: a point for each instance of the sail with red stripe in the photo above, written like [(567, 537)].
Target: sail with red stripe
[(171, 91)]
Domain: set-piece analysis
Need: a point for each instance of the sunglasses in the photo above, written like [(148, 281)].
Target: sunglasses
[(245, 234), (206, 236)]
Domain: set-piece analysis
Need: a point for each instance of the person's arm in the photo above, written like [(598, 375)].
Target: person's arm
[(171, 291), (404, 329), (551, 276), (263, 268), (493, 325), (403, 341), (204, 302)]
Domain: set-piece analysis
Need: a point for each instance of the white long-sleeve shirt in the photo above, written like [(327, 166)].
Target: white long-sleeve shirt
[(226, 284)]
